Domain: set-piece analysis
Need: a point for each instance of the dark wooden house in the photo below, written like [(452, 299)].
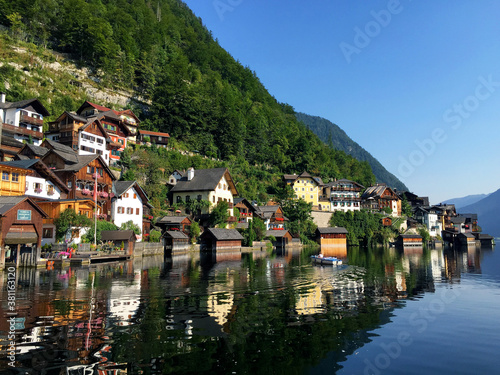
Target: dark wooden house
[(219, 239), (146, 136), (21, 223), (174, 241), (282, 237), (246, 209), (174, 223)]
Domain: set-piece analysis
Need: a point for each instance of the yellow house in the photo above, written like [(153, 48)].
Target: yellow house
[(13, 180), (305, 186)]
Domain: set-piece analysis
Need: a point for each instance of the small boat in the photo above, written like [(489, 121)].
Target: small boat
[(326, 260)]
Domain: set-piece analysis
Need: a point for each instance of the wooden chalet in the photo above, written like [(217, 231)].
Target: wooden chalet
[(331, 236), (21, 223), (30, 151), (13, 179), (379, 197), (117, 237), (246, 209), (174, 241), (282, 237), (81, 178), (65, 129), (215, 239), (9, 147), (174, 223), (272, 215), (159, 139), (408, 240)]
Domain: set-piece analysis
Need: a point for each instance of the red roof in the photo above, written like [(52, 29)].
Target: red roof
[(99, 107), (147, 132)]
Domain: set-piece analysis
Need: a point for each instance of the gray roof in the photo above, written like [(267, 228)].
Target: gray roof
[(276, 233), (37, 150), (35, 103), (171, 219), (82, 161), (117, 235), (7, 203), (222, 234), (58, 146), (457, 220), (332, 230), (175, 234), (11, 141), (376, 191), (26, 163), (203, 180), (468, 235), (122, 186)]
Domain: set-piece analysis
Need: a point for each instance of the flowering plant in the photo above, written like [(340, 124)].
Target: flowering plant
[(86, 192), (38, 190)]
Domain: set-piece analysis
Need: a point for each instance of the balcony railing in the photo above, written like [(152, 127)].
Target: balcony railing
[(17, 130), (345, 188), (350, 199), (31, 120)]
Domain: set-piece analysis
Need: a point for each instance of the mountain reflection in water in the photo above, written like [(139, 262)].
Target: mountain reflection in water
[(228, 312)]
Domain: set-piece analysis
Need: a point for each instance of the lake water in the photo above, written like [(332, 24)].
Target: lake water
[(385, 311)]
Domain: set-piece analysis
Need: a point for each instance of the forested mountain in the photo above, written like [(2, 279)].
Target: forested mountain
[(334, 136), (206, 100)]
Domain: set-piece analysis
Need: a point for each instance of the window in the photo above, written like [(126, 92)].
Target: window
[(130, 210), (47, 232), (70, 184), (311, 197), (224, 186), (213, 199), (125, 195), (137, 211), (5, 176), (15, 177), (135, 196), (121, 210), (188, 198), (219, 185), (199, 197), (303, 189), (90, 170), (179, 199)]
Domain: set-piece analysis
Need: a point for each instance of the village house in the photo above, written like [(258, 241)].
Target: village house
[(214, 185), (282, 238), (120, 126), (127, 204), (9, 147), (429, 217), (77, 132), (379, 197), (305, 186), (174, 177), (342, 195), (157, 138), (174, 241), (41, 182), (174, 223), (21, 222), (272, 215), (23, 120), (13, 180), (30, 151), (81, 179), (245, 208)]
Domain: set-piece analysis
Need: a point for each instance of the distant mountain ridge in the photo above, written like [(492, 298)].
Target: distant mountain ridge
[(487, 210), (465, 201), (333, 135)]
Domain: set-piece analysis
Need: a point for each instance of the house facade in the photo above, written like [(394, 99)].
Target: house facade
[(146, 136), (272, 215), (215, 185), (344, 195), (379, 197), (127, 204), (428, 216), (23, 120), (305, 186)]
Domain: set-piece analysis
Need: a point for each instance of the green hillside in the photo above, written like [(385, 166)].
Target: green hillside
[(333, 135), (161, 51)]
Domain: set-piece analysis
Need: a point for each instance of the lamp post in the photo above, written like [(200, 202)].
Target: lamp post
[(96, 176)]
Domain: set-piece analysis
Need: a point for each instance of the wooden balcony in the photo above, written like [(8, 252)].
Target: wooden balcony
[(345, 188), (31, 120), (17, 130)]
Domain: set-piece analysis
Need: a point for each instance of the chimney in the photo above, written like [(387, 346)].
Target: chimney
[(190, 174), (2, 97)]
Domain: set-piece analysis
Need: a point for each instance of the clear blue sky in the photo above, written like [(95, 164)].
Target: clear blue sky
[(417, 84)]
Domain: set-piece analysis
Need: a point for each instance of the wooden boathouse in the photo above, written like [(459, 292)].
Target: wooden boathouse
[(409, 240), (331, 236), (220, 239)]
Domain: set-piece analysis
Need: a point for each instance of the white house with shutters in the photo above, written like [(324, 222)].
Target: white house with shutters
[(128, 204)]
